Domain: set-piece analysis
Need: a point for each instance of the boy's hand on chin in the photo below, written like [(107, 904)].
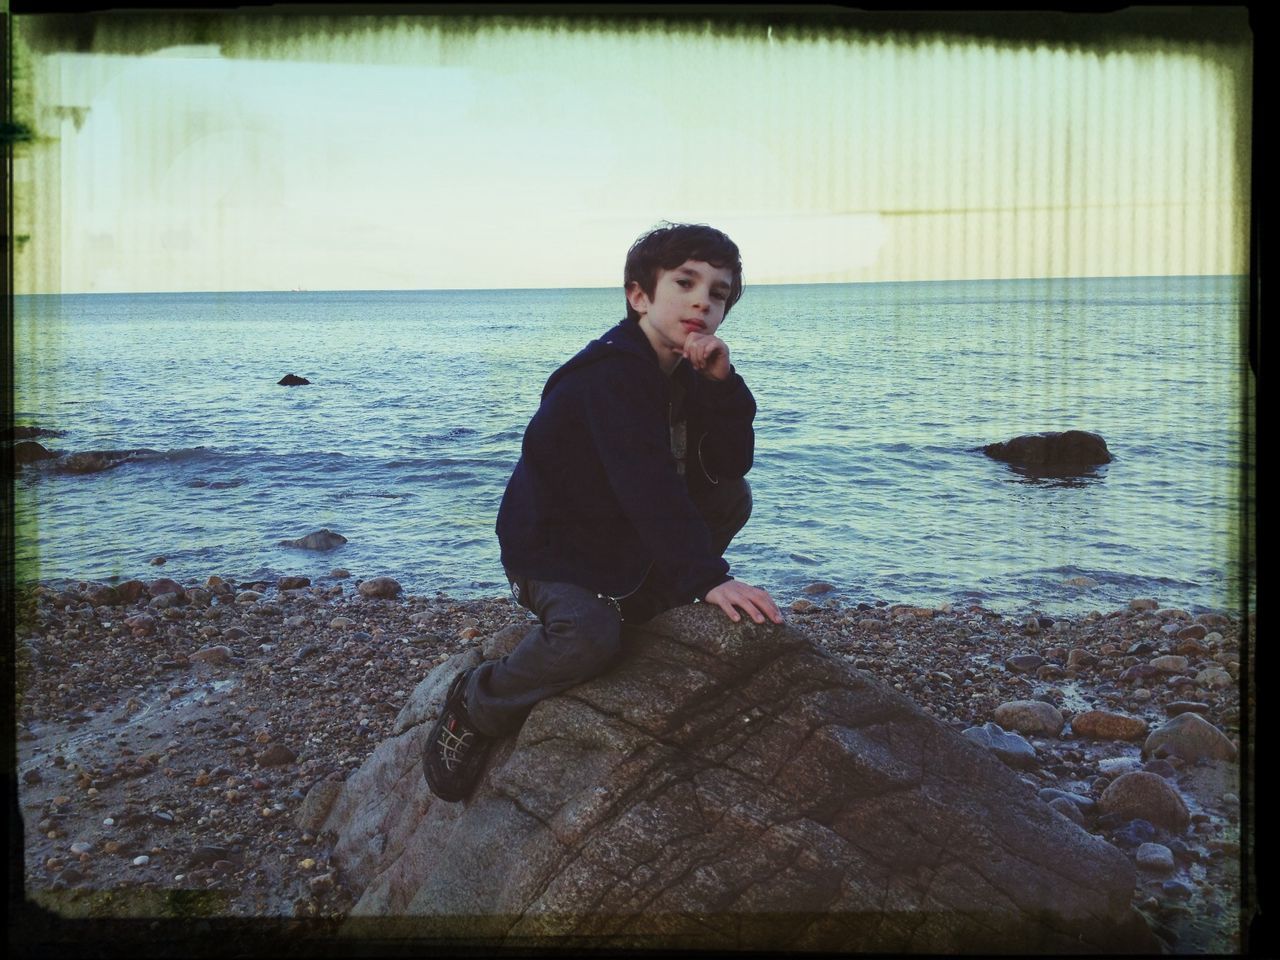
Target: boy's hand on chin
[(753, 601), (708, 354)]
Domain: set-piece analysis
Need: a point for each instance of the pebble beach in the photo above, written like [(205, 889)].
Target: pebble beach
[(178, 743)]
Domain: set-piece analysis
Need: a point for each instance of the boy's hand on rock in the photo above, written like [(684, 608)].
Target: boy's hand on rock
[(708, 354), (753, 601)]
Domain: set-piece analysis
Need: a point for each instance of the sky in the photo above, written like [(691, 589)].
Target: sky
[(398, 157)]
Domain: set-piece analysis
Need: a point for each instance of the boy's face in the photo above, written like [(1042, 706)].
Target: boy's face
[(688, 299)]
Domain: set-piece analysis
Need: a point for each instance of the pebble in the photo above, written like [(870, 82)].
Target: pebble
[(384, 587), (276, 755), (339, 573), (1030, 717), (1024, 662), (1101, 725), (1143, 603), (1156, 857), (802, 606), (141, 861), (1170, 664), (1134, 833), (1067, 809), (871, 625), (293, 583), (341, 623), (81, 847), (1009, 747), (1214, 677), (217, 654)]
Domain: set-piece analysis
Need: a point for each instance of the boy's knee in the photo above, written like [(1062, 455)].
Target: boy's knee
[(588, 633)]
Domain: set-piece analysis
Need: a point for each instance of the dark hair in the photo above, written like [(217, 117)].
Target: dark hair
[(668, 245)]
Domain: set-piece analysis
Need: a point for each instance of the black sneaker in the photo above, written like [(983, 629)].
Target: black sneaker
[(455, 752)]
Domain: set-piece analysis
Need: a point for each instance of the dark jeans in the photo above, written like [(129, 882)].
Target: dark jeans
[(579, 635)]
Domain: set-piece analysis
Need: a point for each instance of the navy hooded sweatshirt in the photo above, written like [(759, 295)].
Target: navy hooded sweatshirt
[(596, 499)]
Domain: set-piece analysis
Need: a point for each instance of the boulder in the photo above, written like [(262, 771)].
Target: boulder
[(28, 451), (1190, 737), (1009, 747), (1068, 451), (292, 380), (319, 540), (725, 786), (1146, 796)]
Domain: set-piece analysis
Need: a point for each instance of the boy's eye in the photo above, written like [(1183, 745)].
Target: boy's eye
[(684, 283)]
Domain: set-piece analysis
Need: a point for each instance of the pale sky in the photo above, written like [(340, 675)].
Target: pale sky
[(398, 158)]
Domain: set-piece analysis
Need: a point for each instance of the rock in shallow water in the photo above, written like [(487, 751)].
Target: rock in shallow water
[(324, 539), (384, 587), (729, 785)]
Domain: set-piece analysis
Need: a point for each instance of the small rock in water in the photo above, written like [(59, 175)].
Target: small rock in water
[(292, 380), (384, 587), (818, 586), (158, 561), (1156, 857), (1143, 603), (324, 539), (1080, 582), (802, 606), (338, 573), (293, 583)]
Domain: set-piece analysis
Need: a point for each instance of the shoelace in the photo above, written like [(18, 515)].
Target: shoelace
[(452, 746)]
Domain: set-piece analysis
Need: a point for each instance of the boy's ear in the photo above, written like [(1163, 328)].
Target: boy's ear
[(637, 298)]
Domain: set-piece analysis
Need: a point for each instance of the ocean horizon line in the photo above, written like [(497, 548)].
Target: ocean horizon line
[(748, 284)]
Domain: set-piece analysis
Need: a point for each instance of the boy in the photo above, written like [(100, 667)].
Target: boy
[(629, 487)]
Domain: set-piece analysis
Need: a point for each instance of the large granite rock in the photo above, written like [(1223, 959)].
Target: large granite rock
[(1052, 454), (726, 786)]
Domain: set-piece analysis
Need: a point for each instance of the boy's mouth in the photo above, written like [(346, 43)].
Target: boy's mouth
[(694, 325)]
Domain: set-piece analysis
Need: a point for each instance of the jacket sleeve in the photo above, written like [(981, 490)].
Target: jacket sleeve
[(726, 439), (625, 417)]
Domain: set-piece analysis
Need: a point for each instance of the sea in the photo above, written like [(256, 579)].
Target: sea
[(874, 402)]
